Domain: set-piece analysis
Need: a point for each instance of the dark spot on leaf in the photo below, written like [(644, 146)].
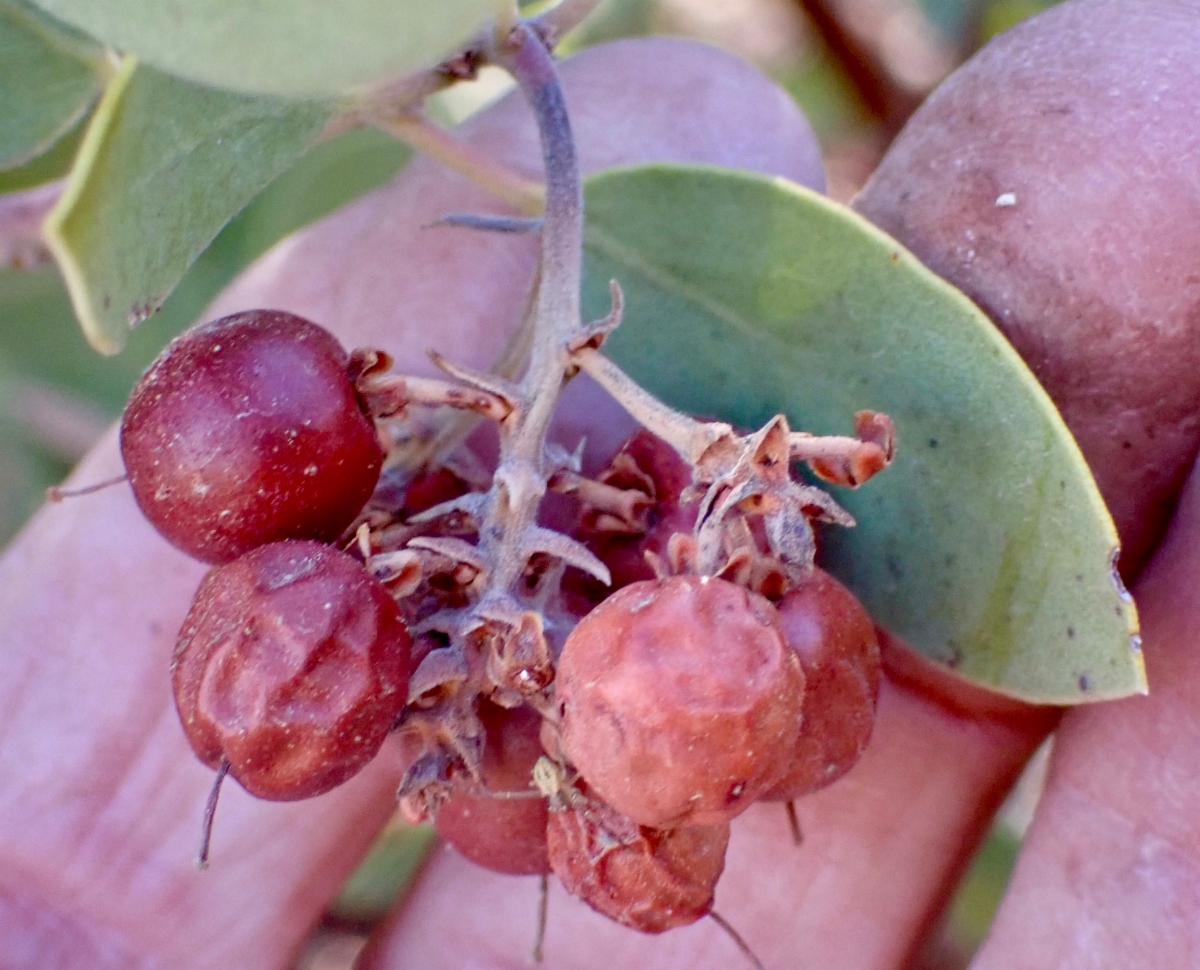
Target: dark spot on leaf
[(1071, 632), (107, 301), (894, 567), (933, 443), (1084, 683)]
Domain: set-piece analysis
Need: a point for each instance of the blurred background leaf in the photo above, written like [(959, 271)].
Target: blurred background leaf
[(163, 166), (284, 47), (49, 77)]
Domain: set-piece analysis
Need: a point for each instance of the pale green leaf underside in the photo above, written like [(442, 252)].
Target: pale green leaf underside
[(163, 166), (986, 545), (48, 79), (284, 47)]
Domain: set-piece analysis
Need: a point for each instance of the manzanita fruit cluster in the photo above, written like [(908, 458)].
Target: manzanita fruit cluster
[(599, 702)]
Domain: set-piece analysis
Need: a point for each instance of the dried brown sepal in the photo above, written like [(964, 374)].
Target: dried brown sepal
[(519, 663), (651, 880), (849, 461), (606, 508)]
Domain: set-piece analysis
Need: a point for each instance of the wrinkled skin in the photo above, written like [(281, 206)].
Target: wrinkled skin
[(292, 666), (100, 796), (680, 700), (650, 880)]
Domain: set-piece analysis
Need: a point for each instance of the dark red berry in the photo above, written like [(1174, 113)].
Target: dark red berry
[(836, 643), (248, 431), (502, 834), (651, 880), (680, 700), (292, 666)]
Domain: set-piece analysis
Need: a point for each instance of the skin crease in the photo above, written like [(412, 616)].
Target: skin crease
[(1086, 115), (100, 798)]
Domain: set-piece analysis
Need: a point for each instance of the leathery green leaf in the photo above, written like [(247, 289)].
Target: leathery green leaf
[(49, 77), (284, 47), (986, 544), (163, 166)]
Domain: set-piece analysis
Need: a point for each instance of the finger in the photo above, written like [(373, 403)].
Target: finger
[(1109, 875), (99, 796)]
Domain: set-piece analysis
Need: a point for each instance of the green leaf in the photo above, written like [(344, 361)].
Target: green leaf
[(49, 77), (384, 874), (163, 166), (286, 47), (986, 544)]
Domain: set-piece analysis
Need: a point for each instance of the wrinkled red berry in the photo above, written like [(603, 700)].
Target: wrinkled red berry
[(292, 666), (836, 643), (680, 700), (651, 880), (247, 431), (502, 834)]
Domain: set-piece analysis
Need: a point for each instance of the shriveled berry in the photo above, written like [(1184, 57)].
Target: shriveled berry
[(680, 700), (292, 666), (246, 431), (836, 643), (651, 880), (502, 834)]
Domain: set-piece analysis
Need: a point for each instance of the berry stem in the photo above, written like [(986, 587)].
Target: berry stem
[(689, 437), (793, 823), (539, 938), (56, 493), (734, 935), (210, 814), (520, 479)]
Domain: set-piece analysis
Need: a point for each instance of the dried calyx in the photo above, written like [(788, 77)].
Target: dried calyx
[(615, 694)]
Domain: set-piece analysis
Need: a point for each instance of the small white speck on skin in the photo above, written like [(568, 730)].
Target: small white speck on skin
[(1006, 199)]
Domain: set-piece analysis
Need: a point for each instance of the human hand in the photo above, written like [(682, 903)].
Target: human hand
[(101, 796)]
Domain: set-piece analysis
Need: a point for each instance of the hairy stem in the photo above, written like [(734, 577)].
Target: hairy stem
[(520, 477)]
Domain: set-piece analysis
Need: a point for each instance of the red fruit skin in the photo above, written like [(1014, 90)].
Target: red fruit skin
[(650, 880), (504, 835), (293, 666), (835, 640), (246, 431), (680, 700)]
